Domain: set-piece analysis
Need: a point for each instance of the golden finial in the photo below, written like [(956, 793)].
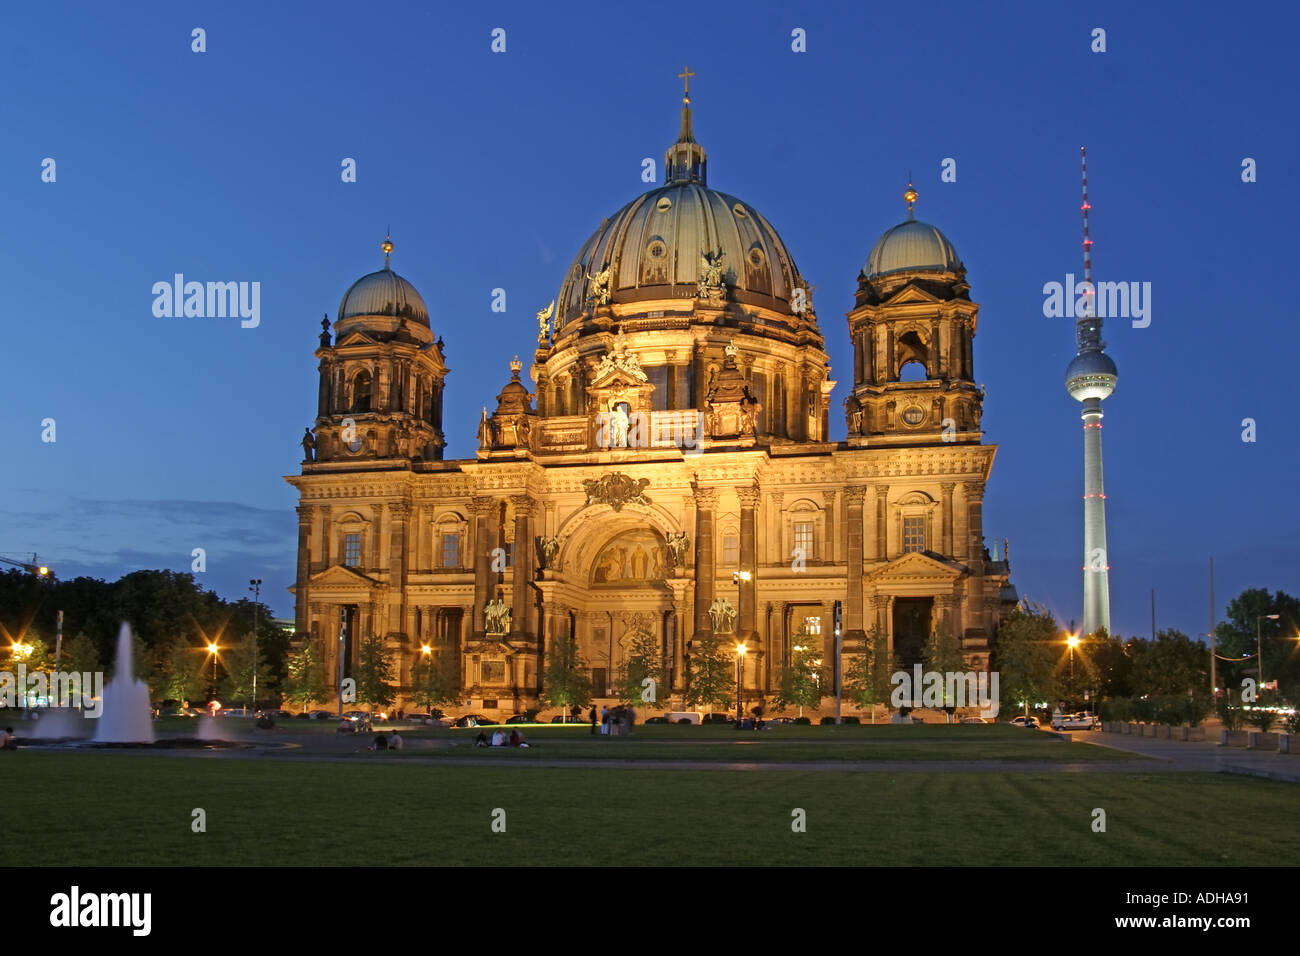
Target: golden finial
[(515, 366), (387, 246), (910, 194), (685, 77)]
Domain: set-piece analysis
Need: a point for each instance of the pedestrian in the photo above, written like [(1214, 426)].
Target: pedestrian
[(604, 721), (593, 720)]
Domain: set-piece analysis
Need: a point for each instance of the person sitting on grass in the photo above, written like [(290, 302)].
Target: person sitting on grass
[(499, 738), (394, 741), (380, 743), (7, 739), (481, 740)]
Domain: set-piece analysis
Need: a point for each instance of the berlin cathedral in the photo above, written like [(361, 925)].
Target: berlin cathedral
[(670, 471)]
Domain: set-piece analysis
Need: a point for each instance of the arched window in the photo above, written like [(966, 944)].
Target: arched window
[(361, 392)]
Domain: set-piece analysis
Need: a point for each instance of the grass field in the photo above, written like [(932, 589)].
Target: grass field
[(83, 809)]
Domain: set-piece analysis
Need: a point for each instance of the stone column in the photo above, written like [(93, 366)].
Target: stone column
[(484, 511), (326, 538), (946, 487), (833, 547), (974, 495), (780, 651), (889, 355), (882, 528), (400, 513), (378, 557), (679, 647), (706, 500), (520, 619), (775, 544), (699, 376), (748, 593), (670, 373), (935, 365), (304, 569), (870, 337), (853, 499)]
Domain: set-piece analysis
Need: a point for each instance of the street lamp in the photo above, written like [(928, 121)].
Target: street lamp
[(255, 585), (740, 670), (212, 651), (1259, 641)]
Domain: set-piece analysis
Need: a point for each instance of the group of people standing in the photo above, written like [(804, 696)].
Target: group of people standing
[(615, 722)]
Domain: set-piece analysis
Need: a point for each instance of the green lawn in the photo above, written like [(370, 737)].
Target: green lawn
[(84, 809)]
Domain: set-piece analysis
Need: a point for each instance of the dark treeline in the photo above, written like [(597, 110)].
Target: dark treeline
[(173, 620)]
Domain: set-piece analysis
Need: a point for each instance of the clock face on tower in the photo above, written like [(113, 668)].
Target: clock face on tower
[(913, 415)]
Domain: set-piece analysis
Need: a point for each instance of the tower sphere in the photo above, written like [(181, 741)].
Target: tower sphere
[(1090, 375)]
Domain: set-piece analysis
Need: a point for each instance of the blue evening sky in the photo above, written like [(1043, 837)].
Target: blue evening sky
[(491, 169)]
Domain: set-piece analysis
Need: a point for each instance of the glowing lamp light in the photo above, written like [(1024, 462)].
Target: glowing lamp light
[(43, 571), (1073, 640), (740, 649), (212, 648), (426, 650)]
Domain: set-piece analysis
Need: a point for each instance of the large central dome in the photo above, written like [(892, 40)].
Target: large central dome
[(654, 248)]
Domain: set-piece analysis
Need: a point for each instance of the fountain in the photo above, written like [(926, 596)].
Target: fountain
[(209, 728), (126, 715), (59, 723)]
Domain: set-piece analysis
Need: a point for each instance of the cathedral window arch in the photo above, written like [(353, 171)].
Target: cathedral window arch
[(450, 535), (361, 386), (915, 523), (353, 532), (805, 529)]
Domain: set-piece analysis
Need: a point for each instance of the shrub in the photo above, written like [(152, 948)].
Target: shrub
[(684, 720), (1293, 723), (1229, 715), (1263, 719), (852, 720), (826, 720), (807, 722)]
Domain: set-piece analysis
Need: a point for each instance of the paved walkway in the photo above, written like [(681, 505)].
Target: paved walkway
[(1207, 757)]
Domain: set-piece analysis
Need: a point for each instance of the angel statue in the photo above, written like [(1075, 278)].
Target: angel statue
[(723, 615), (711, 272), (599, 289), (544, 322)]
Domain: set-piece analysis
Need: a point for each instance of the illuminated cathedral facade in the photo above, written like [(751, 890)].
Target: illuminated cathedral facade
[(669, 471)]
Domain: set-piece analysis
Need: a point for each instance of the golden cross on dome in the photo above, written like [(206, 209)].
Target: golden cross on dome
[(685, 77)]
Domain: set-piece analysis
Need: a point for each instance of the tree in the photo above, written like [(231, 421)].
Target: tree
[(642, 662), (238, 661), (1025, 655), (178, 670), (802, 681), (867, 677), (712, 672), (943, 655), (1171, 664), (374, 672), (305, 681), (80, 655), (436, 679), (1237, 639), (565, 680)]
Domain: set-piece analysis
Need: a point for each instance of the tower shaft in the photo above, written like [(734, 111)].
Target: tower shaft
[(1096, 579)]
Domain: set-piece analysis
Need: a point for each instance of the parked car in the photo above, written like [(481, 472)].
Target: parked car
[(973, 720), (425, 719), (656, 720), (562, 719), (781, 721), (474, 720), (719, 719), (275, 714), (322, 715), (521, 719), (1075, 722), (1023, 721)]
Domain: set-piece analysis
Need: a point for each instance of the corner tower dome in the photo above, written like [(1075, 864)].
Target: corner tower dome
[(383, 293), (912, 246)]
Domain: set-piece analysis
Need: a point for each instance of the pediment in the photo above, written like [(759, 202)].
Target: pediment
[(917, 566), (912, 293), (356, 337), (340, 576)]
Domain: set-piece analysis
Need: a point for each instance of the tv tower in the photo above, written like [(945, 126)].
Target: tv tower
[(1091, 377)]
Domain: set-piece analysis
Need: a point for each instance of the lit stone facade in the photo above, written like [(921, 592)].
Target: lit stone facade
[(677, 433)]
